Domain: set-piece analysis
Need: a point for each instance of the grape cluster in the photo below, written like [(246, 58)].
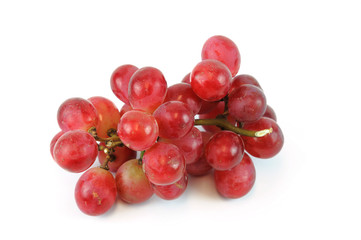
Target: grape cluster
[(157, 123)]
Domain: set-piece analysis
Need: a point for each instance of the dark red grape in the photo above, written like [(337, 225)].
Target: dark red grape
[(77, 113), (75, 151), (201, 166), (268, 145), (242, 80), (132, 184), (211, 80), (224, 50), (108, 115), (247, 103), (172, 191), (95, 191), (183, 92), (53, 141), (224, 150), (270, 113), (138, 130), (238, 181), (191, 145), (163, 164), (187, 78), (121, 154), (119, 81), (174, 119), (147, 89)]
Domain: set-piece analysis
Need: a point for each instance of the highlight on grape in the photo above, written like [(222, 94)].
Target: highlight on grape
[(209, 123)]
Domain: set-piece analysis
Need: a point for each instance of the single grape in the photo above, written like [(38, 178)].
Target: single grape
[(191, 145), (201, 166), (174, 119), (172, 191), (238, 181), (183, 92), (108, 115), (121, 154), (270, 113), (224, 50), (53, 141), (95, 191), (147, 89), (119, 81), (243, 79), (268, 145), (138, 130), (75, 151), (132, 184), (224, 150), (211, 80), (187, 78), (125, 109), (77, 113), (163, 164), (207, 107), (219, 109), (247, 103)]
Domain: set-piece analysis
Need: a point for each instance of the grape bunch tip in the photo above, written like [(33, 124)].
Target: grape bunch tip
[(159, 122)]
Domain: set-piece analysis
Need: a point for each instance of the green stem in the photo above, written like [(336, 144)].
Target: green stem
[(224, 124)]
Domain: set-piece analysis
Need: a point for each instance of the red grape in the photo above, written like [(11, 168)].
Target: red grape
[(187, 78), (125, 109), (191, 145), (172, 191), (147, 89), (108, 115), (174, 119), (183, 92), (53, 141), (213, 114), (121, 154), (211, 80), (95, 191), (224, 150), (201, 166), (75, 151), (77, 113), (224, 50), (268, 145), (242, 80), (163, 164), (270, 113), (132, 184), (247, 103), (119, 81), (238, 181), (207, 107), (138, 130)]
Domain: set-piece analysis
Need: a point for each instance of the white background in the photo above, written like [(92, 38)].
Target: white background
[(305, 54)]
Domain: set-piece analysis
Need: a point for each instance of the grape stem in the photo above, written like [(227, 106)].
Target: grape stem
[(224, 124)]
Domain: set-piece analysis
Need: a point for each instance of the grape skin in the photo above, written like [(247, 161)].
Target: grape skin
[(95, 191), (77, 113), (238, 181), (75, 151), (132, 184), (138, 130), (163, 164)]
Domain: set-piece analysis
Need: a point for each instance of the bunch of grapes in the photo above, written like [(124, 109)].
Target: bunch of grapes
[(158, 123)]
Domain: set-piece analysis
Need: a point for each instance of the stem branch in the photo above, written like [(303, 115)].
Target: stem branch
[(223, 123)]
